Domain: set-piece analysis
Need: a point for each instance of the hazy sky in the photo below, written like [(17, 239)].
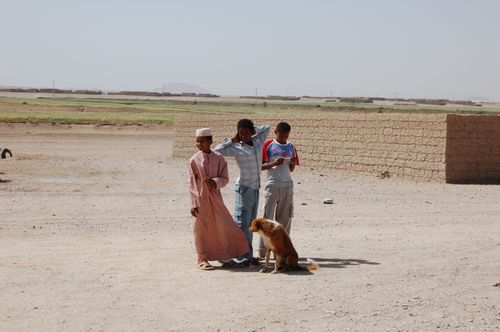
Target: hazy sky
[(413, 48)]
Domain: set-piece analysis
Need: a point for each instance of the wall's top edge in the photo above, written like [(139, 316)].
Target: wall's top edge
[(320, 115)]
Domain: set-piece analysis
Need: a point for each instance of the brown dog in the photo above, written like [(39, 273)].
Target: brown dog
[(277, 240)]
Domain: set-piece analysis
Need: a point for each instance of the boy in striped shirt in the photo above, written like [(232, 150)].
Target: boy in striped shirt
[(246, 148)]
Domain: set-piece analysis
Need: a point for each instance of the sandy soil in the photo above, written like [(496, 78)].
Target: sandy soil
[(95, 234)]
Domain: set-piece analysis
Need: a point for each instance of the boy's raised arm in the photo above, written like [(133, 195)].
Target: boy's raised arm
[(224, 148), (261, 133), (262, 130)]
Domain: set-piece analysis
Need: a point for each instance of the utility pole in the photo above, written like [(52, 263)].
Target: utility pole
[(255, 92), (53, 88)]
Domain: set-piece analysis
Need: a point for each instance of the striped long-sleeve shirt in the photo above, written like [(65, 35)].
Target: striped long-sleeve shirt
[(248, 157)]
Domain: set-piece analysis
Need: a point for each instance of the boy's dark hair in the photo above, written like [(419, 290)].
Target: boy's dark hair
[(283, 127), (245, 123)]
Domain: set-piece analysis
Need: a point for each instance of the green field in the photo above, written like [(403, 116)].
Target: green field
[(75, 117), (162, 112)]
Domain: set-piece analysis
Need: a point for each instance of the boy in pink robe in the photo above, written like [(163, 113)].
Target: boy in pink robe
[(216, 234)]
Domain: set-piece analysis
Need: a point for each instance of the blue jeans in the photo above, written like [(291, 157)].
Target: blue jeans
[(246, 204)]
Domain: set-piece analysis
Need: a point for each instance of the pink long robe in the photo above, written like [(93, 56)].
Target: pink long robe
[(216, 234)]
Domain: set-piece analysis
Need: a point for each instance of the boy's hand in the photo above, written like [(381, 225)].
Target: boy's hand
[(194, 212), (236, 138), (211, 184), (279, 161)]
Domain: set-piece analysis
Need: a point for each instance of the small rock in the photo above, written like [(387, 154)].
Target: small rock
[(327, 201), (304, 203)]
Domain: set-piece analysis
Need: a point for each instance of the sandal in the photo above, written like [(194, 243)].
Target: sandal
[(205, 266)]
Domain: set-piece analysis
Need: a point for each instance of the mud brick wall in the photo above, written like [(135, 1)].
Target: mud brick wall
[(473, 149), (405, 145)]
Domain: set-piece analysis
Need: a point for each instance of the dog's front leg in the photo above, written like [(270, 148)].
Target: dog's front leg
[(266, 264), (277, 263)]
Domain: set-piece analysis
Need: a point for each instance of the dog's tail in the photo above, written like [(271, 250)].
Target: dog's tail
[(312, 265)]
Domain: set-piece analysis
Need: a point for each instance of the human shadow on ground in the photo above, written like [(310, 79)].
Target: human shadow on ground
[(337, 263)]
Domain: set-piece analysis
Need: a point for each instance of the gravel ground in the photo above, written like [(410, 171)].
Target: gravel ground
[(95, 234)]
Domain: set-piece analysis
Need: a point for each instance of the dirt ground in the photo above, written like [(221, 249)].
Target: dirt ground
[(95, 234)]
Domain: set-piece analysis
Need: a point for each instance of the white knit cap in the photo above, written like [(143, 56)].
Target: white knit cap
[(203, 132)]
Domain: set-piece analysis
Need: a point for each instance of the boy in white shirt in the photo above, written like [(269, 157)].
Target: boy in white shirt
[(279, 158)]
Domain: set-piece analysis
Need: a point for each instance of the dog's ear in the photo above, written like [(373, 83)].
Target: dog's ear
[(255, 224)]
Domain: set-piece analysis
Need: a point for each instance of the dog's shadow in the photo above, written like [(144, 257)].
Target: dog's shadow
[(337, 263), (270, 269)]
